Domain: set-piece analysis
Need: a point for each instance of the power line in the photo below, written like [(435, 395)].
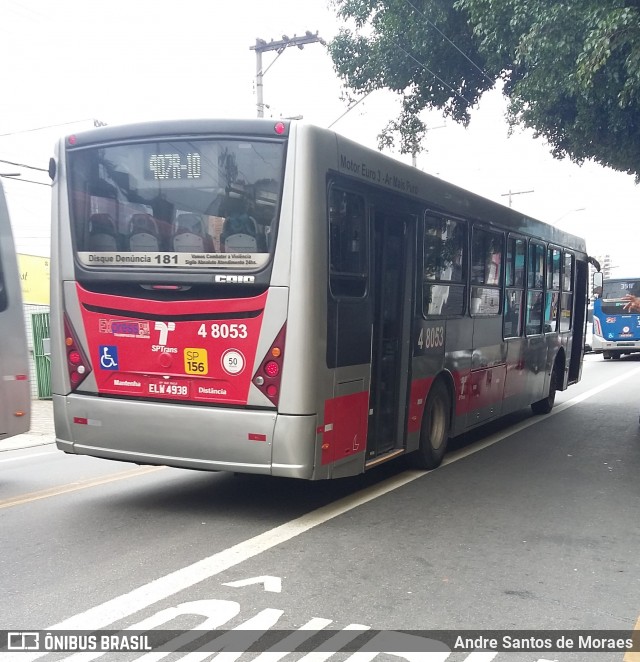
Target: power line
[(424, 66), (22, 165), (21, 179), (50, 126), (350, 108), (444, 36)]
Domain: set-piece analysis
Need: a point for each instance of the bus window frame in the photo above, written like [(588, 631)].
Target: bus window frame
[(423, 282), (567, 293), (540, 290), (550, 290), (513, 287), (366, 275), (475, 285)]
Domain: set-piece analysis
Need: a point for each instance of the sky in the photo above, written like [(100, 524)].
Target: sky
[(70, 62)]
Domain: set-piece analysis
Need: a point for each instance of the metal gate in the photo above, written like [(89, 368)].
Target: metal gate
[(42, 353)]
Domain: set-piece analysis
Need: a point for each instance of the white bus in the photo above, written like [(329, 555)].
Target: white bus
[(270, 297), (15, 396)]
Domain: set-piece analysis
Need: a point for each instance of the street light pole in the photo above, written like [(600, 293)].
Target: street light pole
[(286, 42)]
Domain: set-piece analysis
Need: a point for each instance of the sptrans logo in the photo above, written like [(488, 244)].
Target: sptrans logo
[(164, 328)]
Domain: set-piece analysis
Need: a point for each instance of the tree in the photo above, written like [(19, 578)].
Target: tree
[(570, 69)]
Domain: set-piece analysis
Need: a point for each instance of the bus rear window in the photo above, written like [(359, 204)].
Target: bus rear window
[(193, 204)]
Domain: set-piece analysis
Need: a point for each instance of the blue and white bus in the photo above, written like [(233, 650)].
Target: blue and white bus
[(616, 317)]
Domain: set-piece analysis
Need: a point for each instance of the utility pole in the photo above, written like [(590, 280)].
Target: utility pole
[(262, 46), (512, 193)]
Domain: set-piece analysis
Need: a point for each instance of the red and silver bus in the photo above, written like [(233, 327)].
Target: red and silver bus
[(15, 396), (270, 297)]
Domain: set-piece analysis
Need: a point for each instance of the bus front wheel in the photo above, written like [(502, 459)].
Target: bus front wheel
[(434, 433)]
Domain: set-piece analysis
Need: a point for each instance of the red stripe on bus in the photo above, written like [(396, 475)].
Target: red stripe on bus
[(140, 307), (345, 429)]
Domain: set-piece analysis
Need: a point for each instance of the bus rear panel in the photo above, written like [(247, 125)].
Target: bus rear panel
[(174, 327)]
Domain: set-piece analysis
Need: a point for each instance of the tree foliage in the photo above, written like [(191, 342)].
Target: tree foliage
[(570, 69)]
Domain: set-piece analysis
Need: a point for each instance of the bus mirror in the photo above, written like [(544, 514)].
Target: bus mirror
[(597, 283), (52, 168)]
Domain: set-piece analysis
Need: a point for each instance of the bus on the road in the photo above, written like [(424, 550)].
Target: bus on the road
[(15, 396), (269, 297), (616, 318)]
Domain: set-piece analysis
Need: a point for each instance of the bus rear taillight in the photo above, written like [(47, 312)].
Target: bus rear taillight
[(597, 328), (77, 364), (269, 373)]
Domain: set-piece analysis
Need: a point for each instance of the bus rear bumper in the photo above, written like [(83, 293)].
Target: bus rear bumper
[(186, 436), (600, 345)]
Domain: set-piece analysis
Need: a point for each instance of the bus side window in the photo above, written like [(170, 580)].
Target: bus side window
[(486, 272), (514, 280), (552, 296), (513, 314), (347, 244), (566, 298), (443, 288), (535, 284)]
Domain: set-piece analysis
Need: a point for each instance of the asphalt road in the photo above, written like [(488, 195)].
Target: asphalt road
[(530, 525)]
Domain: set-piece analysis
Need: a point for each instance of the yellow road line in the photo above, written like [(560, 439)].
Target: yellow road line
[(74, 487), (634, 656)]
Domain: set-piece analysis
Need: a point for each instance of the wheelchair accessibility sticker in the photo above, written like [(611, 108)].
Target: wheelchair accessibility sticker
[(108, 357)]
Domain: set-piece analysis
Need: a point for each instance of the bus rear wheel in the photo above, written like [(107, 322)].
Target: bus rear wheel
[(545, 405), (434, 433)]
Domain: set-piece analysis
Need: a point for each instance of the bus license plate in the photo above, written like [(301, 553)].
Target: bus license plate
[(172, 388)]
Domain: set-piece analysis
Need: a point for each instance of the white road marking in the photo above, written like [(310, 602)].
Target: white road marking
[(271, 584), (28, 457), (124, 605)]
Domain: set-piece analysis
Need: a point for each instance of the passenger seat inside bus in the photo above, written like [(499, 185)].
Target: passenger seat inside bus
[(239, 233), (103, 235), (143, 233), (188, 234)]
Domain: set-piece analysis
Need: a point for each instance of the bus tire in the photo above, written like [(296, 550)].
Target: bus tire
[(545, 405), (606, 355), (434, 432)]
